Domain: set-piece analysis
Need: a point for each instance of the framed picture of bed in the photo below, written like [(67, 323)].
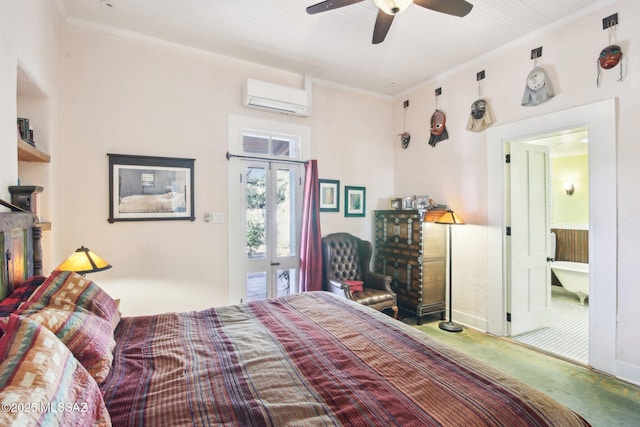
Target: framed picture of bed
[(148, 188)]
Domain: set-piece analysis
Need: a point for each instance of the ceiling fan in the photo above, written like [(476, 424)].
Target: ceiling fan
[(388, 9)]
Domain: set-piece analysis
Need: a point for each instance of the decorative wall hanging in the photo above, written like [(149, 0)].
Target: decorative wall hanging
[(438, 124), (438, 128), (611, 55), (538, 88), (480, 117), (405, 137)]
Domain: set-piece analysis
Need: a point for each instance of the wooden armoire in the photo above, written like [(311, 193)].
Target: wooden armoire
[(411, 248)]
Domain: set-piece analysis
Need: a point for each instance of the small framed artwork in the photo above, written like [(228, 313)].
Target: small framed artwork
[(355, 201), (421, 202), (329, 195), (395, 204), (146, 188), (407, 203)]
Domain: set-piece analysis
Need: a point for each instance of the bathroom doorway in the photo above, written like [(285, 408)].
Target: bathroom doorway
[(556, 168), (600, 119)]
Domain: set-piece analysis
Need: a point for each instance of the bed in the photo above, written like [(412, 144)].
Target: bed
[(307, 359), (150, 203)]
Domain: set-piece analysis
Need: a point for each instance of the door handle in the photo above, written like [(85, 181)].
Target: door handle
[(275, 263), (549, 259)]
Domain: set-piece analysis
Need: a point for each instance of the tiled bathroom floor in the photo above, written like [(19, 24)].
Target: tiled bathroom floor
[(568, 334)]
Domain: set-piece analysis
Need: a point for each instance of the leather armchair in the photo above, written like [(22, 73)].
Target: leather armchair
[(346, 258)]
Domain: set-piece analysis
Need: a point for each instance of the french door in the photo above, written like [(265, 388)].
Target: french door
[(268, 210)]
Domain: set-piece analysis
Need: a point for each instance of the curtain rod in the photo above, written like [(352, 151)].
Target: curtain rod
[(268, 159)]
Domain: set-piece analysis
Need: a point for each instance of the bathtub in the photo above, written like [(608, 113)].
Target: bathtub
[(573, 276)]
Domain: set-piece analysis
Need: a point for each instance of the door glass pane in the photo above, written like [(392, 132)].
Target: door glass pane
[(286, 281), (256, 182), (285, 213), (256, 286)]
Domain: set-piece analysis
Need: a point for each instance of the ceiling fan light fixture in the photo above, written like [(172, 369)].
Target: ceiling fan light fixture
[(392, 7)]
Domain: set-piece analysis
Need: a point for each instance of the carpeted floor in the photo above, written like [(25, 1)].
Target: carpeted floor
[(600, 399)]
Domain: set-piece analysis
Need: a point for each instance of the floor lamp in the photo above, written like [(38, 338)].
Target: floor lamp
[(450, 218)]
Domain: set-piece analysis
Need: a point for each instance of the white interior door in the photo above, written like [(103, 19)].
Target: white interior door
[(528, 271)]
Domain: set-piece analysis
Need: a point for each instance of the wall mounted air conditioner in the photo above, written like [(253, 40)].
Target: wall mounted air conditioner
[(277, 98)]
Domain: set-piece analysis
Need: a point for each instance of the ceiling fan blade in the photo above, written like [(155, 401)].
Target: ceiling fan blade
[(383, 23), (450, 7), (330, 5)]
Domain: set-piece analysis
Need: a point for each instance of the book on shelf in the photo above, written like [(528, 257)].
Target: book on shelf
[(26, 133)]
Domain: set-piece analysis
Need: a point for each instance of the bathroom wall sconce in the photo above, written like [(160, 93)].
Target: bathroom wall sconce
[(568, 187)]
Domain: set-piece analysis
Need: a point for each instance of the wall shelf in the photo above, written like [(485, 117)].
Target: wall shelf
[(29, 153)]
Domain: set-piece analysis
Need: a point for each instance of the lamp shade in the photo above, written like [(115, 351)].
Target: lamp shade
[(450, 217), (84, 261)]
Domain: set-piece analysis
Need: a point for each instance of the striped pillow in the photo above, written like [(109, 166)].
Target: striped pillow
[(72, 289), (81, 315), (87, 336), (41, 383)]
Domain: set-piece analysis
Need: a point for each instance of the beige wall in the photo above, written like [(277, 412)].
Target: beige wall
[(455, 171), (135, 97)]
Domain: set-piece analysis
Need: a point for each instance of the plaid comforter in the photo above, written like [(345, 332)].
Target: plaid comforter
[(307, 359)]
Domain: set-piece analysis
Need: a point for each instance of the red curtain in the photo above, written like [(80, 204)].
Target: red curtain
[(311, 241)]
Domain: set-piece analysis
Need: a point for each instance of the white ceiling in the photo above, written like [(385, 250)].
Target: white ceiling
[(570, 142), (334, 45)]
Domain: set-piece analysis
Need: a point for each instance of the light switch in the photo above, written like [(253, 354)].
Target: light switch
[(217, 218)]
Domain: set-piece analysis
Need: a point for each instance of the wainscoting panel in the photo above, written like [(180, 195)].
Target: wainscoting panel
[(572, 245)]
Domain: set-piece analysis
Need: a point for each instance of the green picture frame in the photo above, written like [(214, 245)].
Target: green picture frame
[(329, 195), (355, 201)]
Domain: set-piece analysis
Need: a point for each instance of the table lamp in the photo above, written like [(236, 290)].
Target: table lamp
[(84, 261)]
